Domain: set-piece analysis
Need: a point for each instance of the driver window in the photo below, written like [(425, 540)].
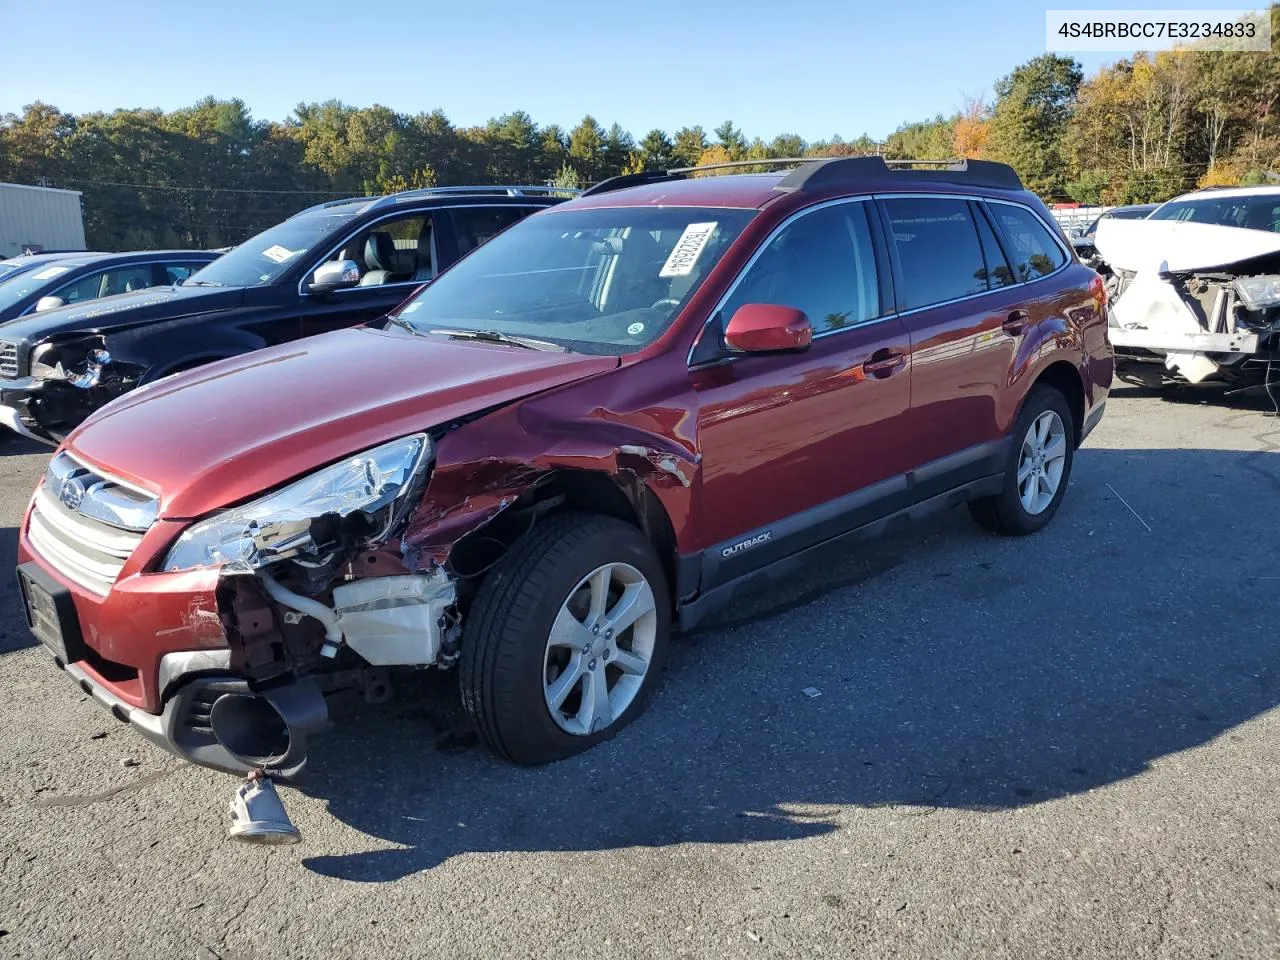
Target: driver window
[(402, 250), (86, 288), (823, 263)]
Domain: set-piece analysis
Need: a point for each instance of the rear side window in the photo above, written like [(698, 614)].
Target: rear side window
[(999, 273), (1034, 251), (822, 263), (86, 288), (938, 250), (177, 272), (475, 225), (108, 284)]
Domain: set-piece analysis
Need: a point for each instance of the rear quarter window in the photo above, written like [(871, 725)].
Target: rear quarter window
[(1034, 251)]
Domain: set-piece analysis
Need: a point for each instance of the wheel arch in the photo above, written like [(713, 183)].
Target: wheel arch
[(622, 495), (1064, 377)]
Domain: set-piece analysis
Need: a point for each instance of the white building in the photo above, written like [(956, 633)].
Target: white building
[(39, 218)]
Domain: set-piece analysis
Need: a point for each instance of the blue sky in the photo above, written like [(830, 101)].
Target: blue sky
[(815, 67)]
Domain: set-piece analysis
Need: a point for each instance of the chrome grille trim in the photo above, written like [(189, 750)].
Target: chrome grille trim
[(88, 541), (74, 527), (8, 359)]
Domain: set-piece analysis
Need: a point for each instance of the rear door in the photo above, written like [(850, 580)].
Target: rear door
[(797, 447), (960, 303)]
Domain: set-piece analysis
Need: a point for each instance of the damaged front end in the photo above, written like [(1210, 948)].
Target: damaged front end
[(313, 599), (1191, 301), (60, 382)]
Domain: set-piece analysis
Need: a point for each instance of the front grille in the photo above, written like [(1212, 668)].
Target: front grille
[(8, 359), (86, 525)]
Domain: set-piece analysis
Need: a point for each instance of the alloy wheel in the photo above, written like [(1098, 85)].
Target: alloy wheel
[(1041, 462), (600, 647)]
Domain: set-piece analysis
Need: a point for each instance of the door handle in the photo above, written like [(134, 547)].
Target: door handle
[(883, 363), (1016, 322)]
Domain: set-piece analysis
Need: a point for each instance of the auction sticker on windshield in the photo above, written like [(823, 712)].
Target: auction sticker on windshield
[(48, 273), (684, 255), (279, 254)]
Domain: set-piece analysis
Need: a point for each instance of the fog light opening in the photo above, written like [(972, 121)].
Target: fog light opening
[(251, 728)]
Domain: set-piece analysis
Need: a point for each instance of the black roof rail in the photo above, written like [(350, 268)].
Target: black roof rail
[(813, 174), (681, 173), (631, 180), (333, 203), (762, 162), (979, 173)]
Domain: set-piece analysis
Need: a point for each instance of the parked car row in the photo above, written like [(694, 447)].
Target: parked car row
[(80, 331), (541, 455)]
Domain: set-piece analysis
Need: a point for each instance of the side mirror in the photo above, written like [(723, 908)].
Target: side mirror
[(334, 275), (49, 303), (768, 328)]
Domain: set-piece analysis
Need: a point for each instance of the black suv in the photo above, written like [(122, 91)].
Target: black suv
[(334, 265)]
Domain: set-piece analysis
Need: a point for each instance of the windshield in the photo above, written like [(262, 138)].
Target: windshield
[(24, 285), (265, 258), (604, 281), (1129, 213), (1259, 212), (1119, 213), (8, 269)]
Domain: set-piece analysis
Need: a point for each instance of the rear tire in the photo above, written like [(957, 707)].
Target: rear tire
[(1038, 470), (529, 640)]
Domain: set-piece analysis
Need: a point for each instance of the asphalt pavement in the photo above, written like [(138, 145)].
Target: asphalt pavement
[(1064, 745)]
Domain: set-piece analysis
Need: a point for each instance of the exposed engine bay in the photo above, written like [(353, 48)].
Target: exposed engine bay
[(1191, 301)]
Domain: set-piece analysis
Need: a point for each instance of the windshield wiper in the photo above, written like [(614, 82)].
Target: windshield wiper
[(200, 283), (391, 318), (497, 336)]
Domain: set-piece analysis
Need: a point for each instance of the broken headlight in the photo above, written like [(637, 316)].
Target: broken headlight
[(1258, 293), (78, 362), (280, 525)]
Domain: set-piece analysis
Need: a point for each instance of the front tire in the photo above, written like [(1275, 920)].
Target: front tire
[(565, 638), (1039, 467)]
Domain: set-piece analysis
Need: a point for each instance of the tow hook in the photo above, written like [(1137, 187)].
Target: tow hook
[(258, 814)]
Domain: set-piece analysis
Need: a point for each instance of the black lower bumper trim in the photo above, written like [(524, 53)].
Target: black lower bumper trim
[(184, 729)]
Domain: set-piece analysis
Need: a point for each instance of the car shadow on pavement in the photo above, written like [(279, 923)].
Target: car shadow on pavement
[(953, 669), (1207, 394), (14, 634), (13, 445)]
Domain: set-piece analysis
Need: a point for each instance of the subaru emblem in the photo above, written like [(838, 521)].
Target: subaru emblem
[(71, 493)]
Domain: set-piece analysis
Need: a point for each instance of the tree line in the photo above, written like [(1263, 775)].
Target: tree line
[(1143, 129)]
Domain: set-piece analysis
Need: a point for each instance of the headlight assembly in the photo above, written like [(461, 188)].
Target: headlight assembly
[(80, 362), (297, 519), (1258, 293)]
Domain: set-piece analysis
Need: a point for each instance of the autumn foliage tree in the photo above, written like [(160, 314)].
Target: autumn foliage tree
[(972, 129)]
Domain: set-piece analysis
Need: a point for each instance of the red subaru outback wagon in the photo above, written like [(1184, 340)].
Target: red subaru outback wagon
[(610, 420)]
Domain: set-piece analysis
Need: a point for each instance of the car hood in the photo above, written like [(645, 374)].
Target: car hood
[(1174, 246), (123, 310), (234, 429)]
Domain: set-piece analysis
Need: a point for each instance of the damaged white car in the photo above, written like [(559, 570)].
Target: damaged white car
[(1195, 288)]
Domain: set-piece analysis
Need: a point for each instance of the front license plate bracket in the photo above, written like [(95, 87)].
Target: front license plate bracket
[(51, 613)]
